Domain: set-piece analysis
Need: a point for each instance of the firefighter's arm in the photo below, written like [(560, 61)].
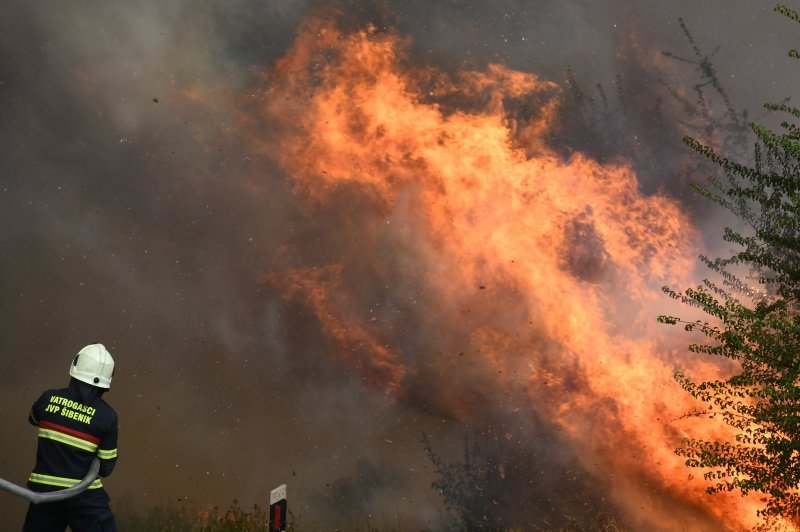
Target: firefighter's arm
[(35, 414), (107, 450)]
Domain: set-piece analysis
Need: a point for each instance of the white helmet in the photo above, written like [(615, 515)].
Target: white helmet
[(93, 364)]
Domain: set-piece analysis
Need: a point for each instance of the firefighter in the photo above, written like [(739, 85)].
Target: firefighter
[(75, 426)]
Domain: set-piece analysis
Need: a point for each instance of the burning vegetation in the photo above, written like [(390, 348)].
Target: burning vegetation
[(471, 270), (389, 256)]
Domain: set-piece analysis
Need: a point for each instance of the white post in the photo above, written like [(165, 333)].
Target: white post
[(277, 509)]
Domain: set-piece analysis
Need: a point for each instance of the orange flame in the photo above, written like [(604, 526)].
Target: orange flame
[(548, 269)]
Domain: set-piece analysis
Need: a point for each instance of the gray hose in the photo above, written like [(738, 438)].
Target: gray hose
[(51, 496)]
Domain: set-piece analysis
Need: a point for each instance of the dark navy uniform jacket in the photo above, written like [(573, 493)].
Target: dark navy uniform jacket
[(75, 425)]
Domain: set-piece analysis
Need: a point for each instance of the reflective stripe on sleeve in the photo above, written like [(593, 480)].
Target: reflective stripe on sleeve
[(106, 454), (61, 481), (67, 439)]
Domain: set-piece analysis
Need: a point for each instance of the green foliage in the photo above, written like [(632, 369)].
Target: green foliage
[(754, 321)]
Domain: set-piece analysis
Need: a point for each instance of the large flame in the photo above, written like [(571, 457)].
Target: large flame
[(542, 272)]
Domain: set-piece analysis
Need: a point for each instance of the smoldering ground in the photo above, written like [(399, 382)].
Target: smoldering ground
[(135, 213)]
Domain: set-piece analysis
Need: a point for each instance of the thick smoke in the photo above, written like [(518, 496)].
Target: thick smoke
[(134, 213)]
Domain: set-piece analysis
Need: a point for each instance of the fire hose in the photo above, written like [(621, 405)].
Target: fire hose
[(53, 496)]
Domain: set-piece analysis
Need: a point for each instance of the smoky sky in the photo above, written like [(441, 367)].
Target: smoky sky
[(134, 213)]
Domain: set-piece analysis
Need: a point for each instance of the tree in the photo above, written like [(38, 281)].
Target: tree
[(465, 486), (519, 484), (755, 321)]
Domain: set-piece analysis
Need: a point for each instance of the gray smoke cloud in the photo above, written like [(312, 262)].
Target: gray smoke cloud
[(133, 213)]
